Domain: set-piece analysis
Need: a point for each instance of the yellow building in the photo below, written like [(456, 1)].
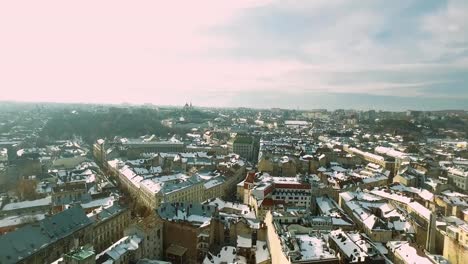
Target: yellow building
[(265, 165), (456, 244), (151, 230), (109, 225)]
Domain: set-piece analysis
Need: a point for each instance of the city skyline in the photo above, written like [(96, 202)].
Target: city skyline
[(291, 54), (234, 131)]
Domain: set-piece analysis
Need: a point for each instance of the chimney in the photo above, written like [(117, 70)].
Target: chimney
[(254, 239), (431, 234), (76, 243)]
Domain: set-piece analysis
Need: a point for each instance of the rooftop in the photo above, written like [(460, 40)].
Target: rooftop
[(243, 140), (176, 250), (15, 220), (195, 213), (120, 248), (407, 252), (28, 204), (313, 248), (25, 241), (227, 254), (354, 249), (81, 253)]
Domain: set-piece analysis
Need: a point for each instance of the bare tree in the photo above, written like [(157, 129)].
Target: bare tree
[(26, 189), (29, 219)]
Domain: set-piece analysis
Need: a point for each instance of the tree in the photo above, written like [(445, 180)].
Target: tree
[(116, 122), (29, 219), (26, 189), (142, 211), (412, 149)]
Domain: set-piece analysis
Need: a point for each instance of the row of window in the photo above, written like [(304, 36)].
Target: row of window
[(291, 198)]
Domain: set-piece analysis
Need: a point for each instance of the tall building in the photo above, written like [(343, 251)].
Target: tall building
[(456, 243), (246, 146), (109, 224), (187, 231), (151, 230)]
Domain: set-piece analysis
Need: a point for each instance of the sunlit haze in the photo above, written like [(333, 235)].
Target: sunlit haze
[(408, 54)]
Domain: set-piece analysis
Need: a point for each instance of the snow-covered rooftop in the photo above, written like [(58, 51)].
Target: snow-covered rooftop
[(27, 204)]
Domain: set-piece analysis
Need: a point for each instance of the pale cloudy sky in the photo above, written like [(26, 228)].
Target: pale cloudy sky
[(367, 54)]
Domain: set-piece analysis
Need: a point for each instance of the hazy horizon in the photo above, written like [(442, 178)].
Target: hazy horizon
[(286, 107), (334, 54)]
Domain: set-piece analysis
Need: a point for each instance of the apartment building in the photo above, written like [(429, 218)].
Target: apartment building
[(47, 240)]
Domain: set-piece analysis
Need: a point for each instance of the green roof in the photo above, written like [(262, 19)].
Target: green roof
[(243, 140), (25, 241)]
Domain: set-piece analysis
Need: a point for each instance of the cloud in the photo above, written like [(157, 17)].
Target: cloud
[(371, 47), (218, 52)]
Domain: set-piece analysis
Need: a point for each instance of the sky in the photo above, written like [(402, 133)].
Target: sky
[(366, 54)]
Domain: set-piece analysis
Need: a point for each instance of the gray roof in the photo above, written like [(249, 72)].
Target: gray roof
[(108, 212), (27, 240), (192, 212), (84, 198), (150, 261)]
